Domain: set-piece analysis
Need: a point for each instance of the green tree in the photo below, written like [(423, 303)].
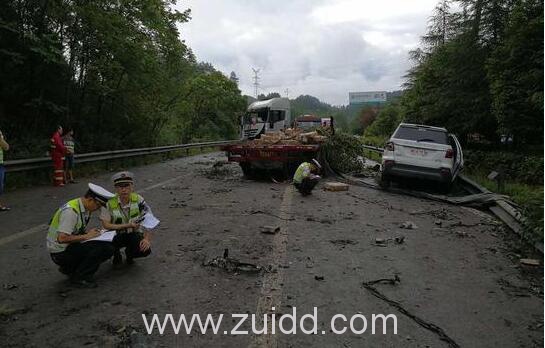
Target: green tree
[(386, 122), (515, 70)]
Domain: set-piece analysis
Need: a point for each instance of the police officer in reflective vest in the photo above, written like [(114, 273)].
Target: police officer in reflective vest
[(67, 239), (305, 177), (122, 214)]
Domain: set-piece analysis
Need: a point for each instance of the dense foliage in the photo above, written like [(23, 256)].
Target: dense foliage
[(520, 167), (479, 73), (115, 71)]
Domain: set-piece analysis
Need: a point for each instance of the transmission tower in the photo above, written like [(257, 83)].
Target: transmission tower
[(256, 81)]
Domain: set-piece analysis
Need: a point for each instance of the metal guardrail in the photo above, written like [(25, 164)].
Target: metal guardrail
[(373, 148), (504, 211), (45, 162)]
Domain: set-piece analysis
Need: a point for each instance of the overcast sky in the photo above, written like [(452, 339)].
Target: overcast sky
[(325, 48)]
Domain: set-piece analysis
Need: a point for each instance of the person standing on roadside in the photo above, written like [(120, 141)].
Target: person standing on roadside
[(57, 152), (68, 141), (4, 146)]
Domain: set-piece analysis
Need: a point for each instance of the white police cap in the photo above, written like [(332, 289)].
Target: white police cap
[(123, 177), (99, 193)]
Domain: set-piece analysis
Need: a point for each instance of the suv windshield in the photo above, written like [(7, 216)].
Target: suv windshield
[(421, 134)]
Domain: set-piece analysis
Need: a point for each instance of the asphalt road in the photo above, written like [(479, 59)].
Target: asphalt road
[(459, 277)]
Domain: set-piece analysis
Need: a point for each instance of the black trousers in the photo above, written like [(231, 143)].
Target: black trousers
[(131, 243), (306, 186), (81, 260)]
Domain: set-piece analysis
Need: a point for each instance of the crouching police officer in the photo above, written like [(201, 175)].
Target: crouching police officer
[(68, 228), (121, 214), (305, 177)]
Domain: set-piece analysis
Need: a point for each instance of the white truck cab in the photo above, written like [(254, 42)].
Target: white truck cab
[(265, 116)]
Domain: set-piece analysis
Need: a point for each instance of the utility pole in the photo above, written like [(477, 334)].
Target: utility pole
[(256, 81), (287, 90)]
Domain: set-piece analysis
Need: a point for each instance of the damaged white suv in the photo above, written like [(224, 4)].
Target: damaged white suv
[(421, 152)]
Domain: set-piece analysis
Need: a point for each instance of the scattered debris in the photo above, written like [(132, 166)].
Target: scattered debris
[(335, 186), (463, 234), (517, 290), (221, 171), (380, 241), (232, 265), (9, 286), (343, 242), (530, 262), (177, 205), (270, 229), (218, 164), (409, 225), (309, 262), (384, 241)]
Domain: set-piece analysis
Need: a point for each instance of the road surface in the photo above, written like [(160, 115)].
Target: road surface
[(459, 277)]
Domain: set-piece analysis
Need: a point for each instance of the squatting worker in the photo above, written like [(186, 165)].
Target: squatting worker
[(306, 177), (122, 214), (67, 232)]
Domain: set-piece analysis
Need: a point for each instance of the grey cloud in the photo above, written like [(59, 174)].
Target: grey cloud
[(295, 52)]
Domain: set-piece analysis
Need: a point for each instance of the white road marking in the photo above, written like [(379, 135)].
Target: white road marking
[(43, 227), (271, 291), (40, 228)]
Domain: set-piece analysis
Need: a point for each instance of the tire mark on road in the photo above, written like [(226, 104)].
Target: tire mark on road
[(43, 227), (271, 291)]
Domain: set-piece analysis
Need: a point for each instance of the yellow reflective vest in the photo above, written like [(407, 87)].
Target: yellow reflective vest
[(302, 172), (117, 216), (52, 244)]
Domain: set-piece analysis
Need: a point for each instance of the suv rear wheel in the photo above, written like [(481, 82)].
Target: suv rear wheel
[(384, 181)]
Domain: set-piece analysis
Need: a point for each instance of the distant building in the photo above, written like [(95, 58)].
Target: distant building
[(373, 98)]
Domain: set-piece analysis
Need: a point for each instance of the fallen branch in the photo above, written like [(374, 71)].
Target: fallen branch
[(425, 324)]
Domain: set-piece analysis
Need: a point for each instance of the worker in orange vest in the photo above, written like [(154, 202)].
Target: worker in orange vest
[(57, 152)]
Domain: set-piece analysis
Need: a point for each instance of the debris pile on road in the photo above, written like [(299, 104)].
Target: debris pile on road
[(290, 136), (344, 153), (221, 170), (232, 265)]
